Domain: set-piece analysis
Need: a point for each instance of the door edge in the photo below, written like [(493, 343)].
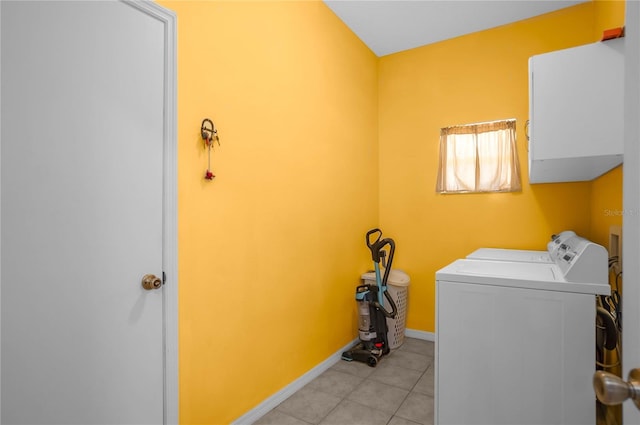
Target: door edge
[(170, 210)]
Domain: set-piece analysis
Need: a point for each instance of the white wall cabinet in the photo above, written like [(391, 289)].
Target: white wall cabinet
[(576, 112)]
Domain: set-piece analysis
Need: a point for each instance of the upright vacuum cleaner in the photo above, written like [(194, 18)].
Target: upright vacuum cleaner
[(372, 316)]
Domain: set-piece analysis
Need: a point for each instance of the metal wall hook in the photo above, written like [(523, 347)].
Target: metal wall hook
[(208, 132)]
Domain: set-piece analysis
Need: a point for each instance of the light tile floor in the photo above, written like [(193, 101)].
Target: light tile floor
[(398, 391)]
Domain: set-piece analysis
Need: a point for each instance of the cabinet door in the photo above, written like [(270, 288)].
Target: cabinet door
[(576, 112)]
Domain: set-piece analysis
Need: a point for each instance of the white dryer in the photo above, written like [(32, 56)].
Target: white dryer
[(515, 340)]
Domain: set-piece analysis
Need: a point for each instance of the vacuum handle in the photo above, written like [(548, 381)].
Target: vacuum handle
[(379, 255), (368, 238), (377, 250)]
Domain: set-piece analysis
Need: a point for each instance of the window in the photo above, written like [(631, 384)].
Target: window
[(479, 158)]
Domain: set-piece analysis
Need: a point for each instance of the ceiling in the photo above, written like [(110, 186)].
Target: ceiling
[(390, 26)]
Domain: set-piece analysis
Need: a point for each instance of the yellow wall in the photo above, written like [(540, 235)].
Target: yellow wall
[(474, 78), (606, 206), (609, 14), (272, 249)]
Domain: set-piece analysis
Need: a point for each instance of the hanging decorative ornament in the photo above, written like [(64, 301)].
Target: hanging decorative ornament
[(209, 134)]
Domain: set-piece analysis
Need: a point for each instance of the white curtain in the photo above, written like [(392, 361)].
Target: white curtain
[(479, 158)]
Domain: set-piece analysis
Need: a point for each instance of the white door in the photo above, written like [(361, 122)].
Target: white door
[(83, 141), (631, 202)]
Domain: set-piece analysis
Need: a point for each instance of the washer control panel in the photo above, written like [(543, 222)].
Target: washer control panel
[(579, 259)]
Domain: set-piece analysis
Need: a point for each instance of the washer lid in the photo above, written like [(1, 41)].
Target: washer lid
[(511, 255), (540, 276)]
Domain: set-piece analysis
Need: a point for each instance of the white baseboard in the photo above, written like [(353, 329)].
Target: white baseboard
[(412, 333), (270, 403)]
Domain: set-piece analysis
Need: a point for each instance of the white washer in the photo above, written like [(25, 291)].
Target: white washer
[(515, 340), (529, 256)]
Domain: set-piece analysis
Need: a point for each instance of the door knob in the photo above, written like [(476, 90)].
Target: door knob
[(151, 281), (611, 389)]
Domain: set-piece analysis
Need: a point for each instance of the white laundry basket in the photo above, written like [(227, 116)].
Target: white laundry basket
[(398, 288)]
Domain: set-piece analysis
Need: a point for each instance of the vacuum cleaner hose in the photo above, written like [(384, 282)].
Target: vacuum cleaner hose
[(394, 309), (378, 247)]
